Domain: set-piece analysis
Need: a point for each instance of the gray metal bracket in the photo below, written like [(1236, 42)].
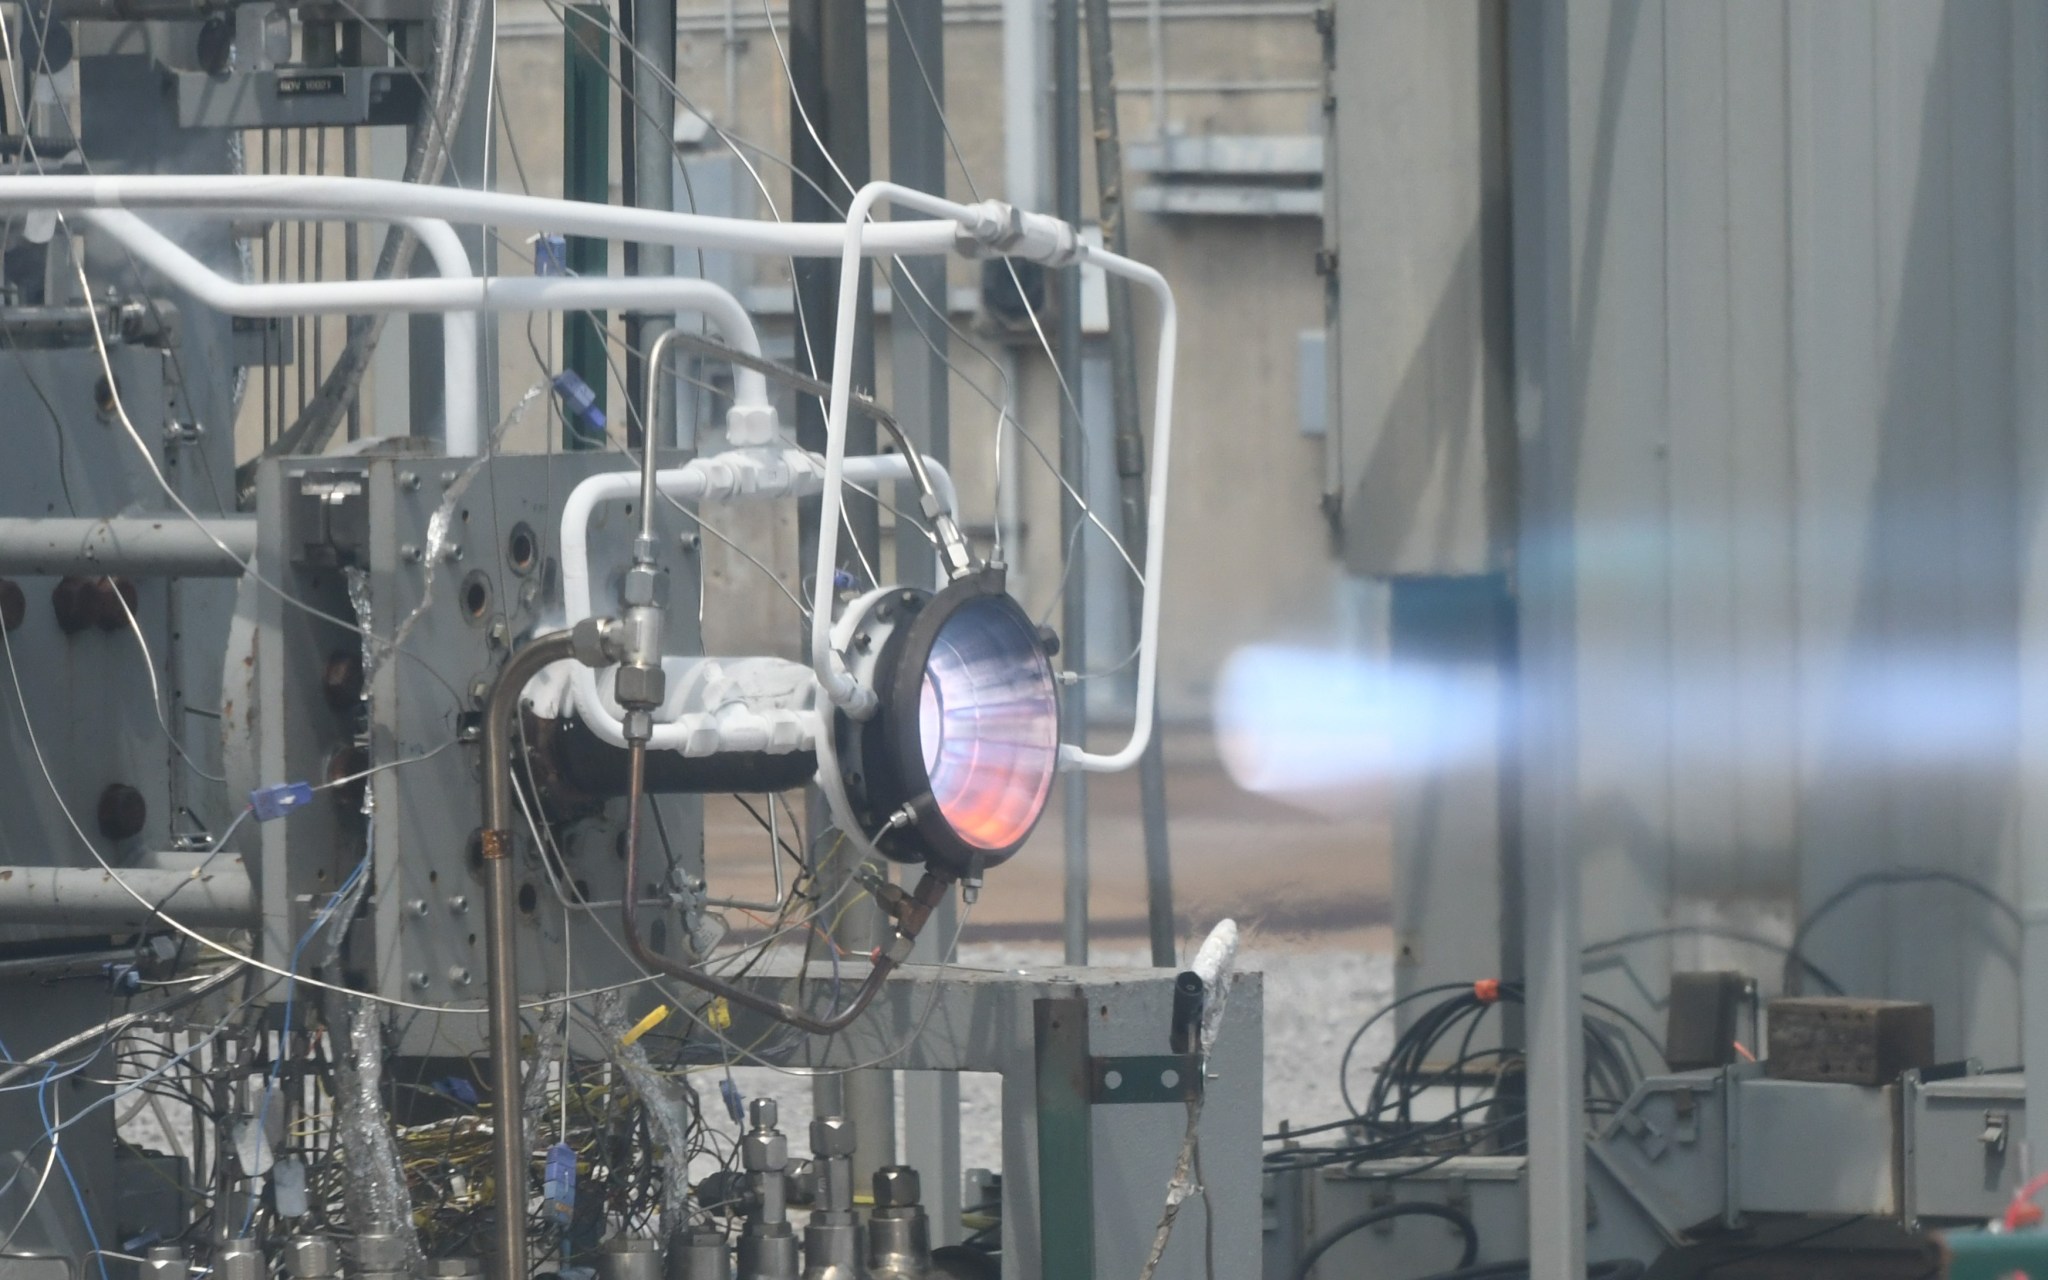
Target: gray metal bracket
[(1144, 1078)]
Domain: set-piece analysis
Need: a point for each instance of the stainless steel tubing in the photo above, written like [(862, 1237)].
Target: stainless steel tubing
[(508, 1151)]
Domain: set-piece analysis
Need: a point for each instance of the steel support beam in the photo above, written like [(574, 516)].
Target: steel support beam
[(828, 146), (1066, 150), (917, 353), (70, 896), (138, 546), (1130, 458), (1547, 403)]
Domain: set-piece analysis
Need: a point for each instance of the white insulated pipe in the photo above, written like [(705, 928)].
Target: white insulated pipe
[(765, 472), (458, 297), (460, 427), (381, 200), (1043, 239)]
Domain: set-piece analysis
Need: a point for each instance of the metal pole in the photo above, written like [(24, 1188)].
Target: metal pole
[(828, 144), (917, 354), (586, 147), (2030, 197), (1543, 329), (1066, 147), (653, 129), (1130, 457)]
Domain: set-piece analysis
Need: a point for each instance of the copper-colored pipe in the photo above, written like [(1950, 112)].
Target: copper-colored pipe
[(508, 1137)]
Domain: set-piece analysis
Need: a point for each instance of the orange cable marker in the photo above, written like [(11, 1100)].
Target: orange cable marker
[(1487, 990)]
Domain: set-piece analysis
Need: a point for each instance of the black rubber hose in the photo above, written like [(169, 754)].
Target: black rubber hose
[(1387, 1213), (1613, 1269)]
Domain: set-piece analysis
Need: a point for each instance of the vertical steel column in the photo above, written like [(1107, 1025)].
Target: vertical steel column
[(1547, 400), (917, 358), (1130, 457), (828, 145), (653, 117), (586, 175), (2030, 325), (1066, 1154), (1066, 150)]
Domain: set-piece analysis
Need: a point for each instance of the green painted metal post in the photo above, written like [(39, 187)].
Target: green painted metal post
[(1066, 1155), (586, 175)]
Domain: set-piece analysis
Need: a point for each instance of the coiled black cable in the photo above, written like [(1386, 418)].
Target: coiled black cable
[(1386, 1213)]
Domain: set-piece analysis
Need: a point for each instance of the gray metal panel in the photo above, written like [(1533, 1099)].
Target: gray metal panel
[(1419, 339), (1901, 305), (1790, 437)]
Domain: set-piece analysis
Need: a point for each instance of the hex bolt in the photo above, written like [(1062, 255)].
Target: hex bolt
[(122, 811), (896, 1187)]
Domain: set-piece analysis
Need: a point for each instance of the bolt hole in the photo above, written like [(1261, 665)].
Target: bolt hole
[(103, 395), (1169, 1079), (1112, 1080), (529, 898), (522, 549), (476, 596)]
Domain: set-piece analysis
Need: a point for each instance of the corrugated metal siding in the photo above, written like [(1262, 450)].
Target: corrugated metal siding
[(1793, 265), (1793, 462)]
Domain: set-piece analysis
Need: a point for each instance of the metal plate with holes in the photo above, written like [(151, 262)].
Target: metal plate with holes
[(1164, 1077)]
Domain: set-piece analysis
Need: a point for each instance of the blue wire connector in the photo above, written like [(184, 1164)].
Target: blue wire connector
[(279, 799), (550, 254), (560, 1182), (579, 403)]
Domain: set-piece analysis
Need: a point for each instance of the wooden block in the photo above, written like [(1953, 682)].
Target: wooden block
[(1845, 1040)]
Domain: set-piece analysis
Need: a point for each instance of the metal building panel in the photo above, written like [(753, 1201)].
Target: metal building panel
[(1419, 339)]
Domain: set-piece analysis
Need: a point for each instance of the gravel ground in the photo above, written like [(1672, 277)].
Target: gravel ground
[(1315, 999)]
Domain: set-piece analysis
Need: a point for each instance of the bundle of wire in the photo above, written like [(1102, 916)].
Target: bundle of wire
[(1403, 1115)]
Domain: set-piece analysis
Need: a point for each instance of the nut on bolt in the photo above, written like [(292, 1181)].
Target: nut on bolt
[(764, 1149), (832, 1136), (640, 686), (645, 584), (595, 641), (896, 1187)]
